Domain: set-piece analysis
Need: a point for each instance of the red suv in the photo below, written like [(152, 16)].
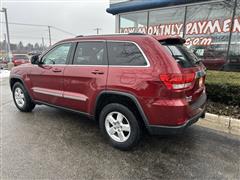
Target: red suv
[(19, 59), (127, 83)]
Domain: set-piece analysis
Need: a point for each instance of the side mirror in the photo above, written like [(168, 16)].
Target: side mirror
[(35, 59)]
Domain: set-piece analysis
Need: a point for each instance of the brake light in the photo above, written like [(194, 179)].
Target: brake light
[(178, 81)]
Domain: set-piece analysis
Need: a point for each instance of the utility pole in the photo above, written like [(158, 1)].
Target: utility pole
[(43, 44), (6, 44), (7, 29), (98, 30), (49, 34)]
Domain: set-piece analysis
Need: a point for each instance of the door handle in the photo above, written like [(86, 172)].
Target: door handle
[(97, 72), (57, 70)]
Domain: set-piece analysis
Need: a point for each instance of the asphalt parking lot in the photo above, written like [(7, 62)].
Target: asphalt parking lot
[(53, 144)]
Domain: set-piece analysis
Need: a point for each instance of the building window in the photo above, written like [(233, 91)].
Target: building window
[(207, 32), (167, 21), (234, 51), (205, 26), (133, 22)]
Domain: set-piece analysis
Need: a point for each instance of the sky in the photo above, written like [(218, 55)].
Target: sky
[(79, 17)]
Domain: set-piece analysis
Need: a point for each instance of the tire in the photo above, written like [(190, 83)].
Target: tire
[(19, 92), (124, 135)]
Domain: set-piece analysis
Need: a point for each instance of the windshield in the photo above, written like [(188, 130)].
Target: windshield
[(182, 55), (21, 57)]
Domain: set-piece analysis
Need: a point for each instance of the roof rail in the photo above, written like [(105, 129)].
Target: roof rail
[(136, 33), (116, 34)]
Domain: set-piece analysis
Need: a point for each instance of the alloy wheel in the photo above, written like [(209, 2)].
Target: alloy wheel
[(19, 97), (117, 126)]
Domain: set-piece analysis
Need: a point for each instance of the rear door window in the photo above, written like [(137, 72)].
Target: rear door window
[(125, 54), (184, 56), (90, 53)]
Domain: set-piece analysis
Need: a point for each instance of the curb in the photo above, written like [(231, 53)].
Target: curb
[(221, 123)]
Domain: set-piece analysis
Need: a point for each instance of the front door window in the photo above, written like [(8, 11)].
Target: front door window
[(58, 55)]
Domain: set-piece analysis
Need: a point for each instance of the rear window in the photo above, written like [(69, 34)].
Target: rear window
[(20, 57), (182, 55)]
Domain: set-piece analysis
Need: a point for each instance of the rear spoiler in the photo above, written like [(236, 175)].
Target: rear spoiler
[(170, 40)]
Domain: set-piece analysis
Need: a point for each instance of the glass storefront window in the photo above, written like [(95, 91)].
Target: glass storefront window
[(167, 21), (234, 51), (133, 22), (207, 32)]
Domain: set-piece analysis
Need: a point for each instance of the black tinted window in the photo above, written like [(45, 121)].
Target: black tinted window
[(182, 55), (125, 54), (90, 53)]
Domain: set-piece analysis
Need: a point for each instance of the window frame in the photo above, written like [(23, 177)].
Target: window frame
[(69, 56), (139, 48)]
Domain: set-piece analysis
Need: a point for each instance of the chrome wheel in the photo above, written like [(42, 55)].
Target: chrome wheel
[(19, 97), (117, 126)]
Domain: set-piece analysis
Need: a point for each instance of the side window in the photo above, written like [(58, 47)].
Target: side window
[(57, 55), (90, 53), (125, 54)]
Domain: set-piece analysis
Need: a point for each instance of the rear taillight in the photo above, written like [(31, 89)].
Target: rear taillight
[(178, 81)]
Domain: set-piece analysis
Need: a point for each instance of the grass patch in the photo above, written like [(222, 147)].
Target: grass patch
[(223, 90), (223, 87), (223, 78)]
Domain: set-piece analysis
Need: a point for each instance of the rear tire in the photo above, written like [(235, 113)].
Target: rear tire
[(120, 126), (21, 98)]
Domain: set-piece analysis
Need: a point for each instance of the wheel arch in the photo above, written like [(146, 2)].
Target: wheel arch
[(106, 97), (15, 79)]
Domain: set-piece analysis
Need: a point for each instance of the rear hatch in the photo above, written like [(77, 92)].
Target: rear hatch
[(193, 71)]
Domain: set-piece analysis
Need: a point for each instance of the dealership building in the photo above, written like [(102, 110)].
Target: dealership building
[(211, 27)]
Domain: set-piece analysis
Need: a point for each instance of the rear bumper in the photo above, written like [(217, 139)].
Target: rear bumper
[(164, 130)]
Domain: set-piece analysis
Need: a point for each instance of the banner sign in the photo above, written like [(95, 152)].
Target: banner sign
[(194, 28)]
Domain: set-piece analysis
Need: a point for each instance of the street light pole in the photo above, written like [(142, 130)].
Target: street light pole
[(42, 44), (49, 34), (6, 44), (7, 29)]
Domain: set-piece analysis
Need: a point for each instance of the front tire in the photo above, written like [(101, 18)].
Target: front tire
[(21, 98), (120, 126)]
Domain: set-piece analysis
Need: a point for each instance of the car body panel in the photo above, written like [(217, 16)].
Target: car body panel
[(82, 85), (47, 83)]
